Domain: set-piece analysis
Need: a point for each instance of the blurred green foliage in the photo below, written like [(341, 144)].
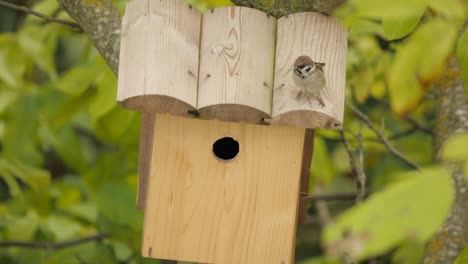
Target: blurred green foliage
[(68, 152)]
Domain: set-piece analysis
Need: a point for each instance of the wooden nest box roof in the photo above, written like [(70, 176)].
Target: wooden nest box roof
[(232, 64)]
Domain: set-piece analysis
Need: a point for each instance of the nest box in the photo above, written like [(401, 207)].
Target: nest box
[(226, 133)]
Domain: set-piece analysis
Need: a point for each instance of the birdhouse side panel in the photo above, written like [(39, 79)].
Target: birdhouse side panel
[(203, 209)]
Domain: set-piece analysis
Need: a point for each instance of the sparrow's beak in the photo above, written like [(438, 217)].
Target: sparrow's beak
[(320, 65)]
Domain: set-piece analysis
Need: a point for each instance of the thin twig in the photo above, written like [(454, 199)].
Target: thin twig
[(40, 15), (332, 197), (361, 175), (382, 137), (419, 126), (53, 246), (352, 157)]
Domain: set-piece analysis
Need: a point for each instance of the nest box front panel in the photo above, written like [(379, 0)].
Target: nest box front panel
[(202, 208)]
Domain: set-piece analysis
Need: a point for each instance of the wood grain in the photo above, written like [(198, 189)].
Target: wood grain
[(159, 50), (324, 40), (305, 175), (205, 210), (236, 64), (144, 156)]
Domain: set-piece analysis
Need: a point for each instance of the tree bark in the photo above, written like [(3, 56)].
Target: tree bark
[(452, 118), (281, 8), (101, 21)]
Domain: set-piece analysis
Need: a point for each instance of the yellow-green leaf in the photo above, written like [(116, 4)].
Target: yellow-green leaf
[(39, 42), (76, 80), (448, 8), (105, 98), (410, 252), (399, 213), (455, 148), (12, 61), (399, 28), (23, 228), (322, 168), (419, 62), (388, 9), (463, 257)]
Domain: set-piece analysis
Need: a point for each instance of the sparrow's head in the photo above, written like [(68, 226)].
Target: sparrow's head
[(305, 66)]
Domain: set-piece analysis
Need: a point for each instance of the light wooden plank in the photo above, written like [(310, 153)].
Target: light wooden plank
[(159, 56), (323, 39), (205, 210), (236, 64)]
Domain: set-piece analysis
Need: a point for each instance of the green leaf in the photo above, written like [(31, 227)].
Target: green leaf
[(455, 148), (62, 228), (78, 79), (365, 27), (399, 28), (462, 58), (448, 8), (388, 9), (7, 176), (19, 141), (114, 124), (463, 257), (419, 62), (70, 107), (117, 202), (122, 252), (23, 228), (362, 82), (37, 179), (322, 169), (399, 213), (12, 61), (105, 97), (87, 211), (68, 198), (409, 253), (46, 7), (68, 145), (39, 42)]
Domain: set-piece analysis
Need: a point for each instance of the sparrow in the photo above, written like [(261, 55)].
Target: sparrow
[(309, 77)]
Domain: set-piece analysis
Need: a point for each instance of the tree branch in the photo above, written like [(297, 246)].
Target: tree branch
[(101, 21), (418, 126), (53, 246), (452, 118), (382, 137), (40, 15), (279, 8)]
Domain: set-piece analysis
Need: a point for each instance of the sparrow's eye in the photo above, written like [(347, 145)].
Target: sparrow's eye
[(308, 68)]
